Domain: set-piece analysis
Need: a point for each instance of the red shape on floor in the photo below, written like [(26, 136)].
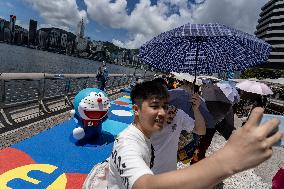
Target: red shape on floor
[(75, 180), (121, 103), (11, 158)]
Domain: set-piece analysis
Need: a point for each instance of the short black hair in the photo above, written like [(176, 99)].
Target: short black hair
[(161, 81), (147, 90)]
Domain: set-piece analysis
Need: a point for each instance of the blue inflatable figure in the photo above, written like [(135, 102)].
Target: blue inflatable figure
[(91, 106)]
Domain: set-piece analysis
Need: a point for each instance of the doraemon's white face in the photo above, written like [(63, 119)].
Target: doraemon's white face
[(94, 106)]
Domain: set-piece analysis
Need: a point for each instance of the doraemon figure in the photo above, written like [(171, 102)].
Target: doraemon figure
[(91, 106)]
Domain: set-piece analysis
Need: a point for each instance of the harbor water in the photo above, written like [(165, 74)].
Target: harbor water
[(18, 59)]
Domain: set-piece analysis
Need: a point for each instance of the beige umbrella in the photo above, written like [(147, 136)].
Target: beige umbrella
[(187, 77), (254, 87)]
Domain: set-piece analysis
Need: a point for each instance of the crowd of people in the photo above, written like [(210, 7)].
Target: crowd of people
[(172, 123)]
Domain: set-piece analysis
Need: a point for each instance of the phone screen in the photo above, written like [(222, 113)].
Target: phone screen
[(267, 117), (196, 89)]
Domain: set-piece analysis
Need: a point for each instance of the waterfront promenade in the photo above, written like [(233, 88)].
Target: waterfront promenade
[(33, 102), (61, 128), (55, 159), (59, 139)]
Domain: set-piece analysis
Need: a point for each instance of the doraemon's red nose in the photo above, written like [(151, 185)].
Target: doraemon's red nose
[(99, 100)]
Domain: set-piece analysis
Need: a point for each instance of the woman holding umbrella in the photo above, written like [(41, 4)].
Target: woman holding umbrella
[(253, 94), (247, 103)]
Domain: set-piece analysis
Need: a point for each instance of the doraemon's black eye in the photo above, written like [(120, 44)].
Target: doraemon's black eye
[(101, 94)]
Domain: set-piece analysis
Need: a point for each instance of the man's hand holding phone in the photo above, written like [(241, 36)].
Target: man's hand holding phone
[(267, 117)]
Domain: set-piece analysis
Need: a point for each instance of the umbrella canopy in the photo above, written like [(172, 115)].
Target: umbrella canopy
[(181, 99), (206, 77), (204, 49), (230, 91), (187, 77), (254, 87), (216, 101)]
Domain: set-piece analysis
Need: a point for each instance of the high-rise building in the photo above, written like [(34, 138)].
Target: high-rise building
[(2, 23), (80, 29), (42, 39), (7, 35), (32, 32), (270, 28), (63, 40), (54, 38)]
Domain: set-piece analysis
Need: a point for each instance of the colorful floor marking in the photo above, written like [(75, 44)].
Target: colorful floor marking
[(122, 113), (53, 159), (121, 103)]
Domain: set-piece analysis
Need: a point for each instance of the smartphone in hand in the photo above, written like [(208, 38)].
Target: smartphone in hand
[(196, 89), (267, 117)]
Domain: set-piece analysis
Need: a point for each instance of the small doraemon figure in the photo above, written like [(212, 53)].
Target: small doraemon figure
[(91, 106)]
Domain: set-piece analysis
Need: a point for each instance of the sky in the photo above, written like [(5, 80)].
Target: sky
[(130, 23)]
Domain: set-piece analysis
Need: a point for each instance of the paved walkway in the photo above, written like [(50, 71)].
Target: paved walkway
[(53, 158), (257, 178)]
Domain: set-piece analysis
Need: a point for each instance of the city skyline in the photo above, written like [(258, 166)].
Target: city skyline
[(129, 24)]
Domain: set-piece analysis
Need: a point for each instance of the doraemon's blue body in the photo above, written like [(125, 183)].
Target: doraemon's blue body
[(90, 109)]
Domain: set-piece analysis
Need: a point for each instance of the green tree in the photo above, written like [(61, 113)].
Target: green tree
[(262, 73)]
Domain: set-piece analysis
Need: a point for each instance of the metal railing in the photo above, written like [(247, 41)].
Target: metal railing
[(29, 97)]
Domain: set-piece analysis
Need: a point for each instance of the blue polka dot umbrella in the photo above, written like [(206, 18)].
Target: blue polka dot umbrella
[(204, 49)]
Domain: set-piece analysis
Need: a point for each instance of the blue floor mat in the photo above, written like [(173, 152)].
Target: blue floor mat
[(56, 148)]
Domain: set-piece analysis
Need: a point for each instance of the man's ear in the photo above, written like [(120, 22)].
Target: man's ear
[(135, 109)]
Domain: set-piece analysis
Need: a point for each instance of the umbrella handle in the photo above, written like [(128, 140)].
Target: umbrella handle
[(198, 39), (194, 88)]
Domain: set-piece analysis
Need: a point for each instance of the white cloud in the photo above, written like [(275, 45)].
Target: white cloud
[(132, 43), (59, 13), (111, 14), (147, 21), (10, 5), (144, 22), (240, 14), (22, 24), (118, 43), (50, 25)]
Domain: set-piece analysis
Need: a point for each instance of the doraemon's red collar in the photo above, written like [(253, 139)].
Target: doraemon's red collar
[(91, 123)]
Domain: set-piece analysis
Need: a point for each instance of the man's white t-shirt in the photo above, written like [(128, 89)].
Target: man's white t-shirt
[(165, 142), (130, 158)]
